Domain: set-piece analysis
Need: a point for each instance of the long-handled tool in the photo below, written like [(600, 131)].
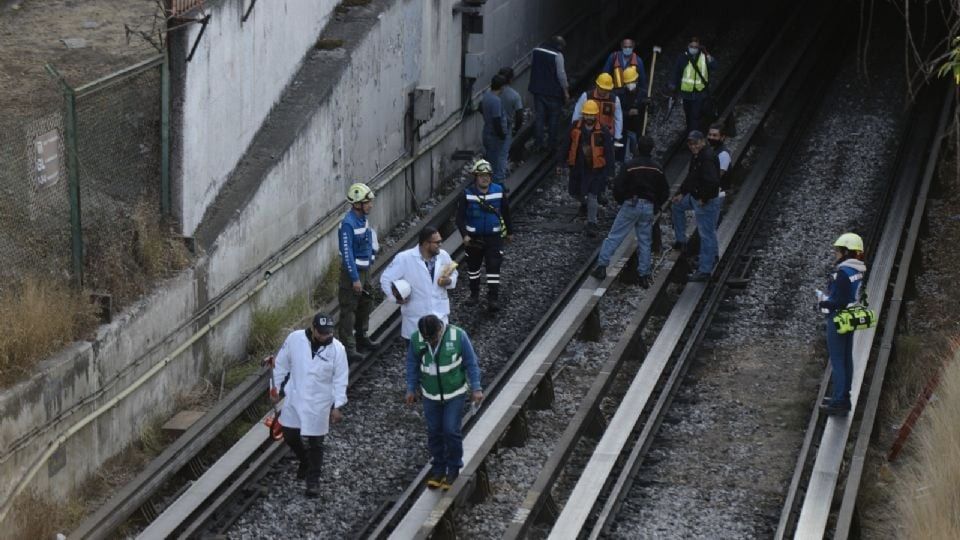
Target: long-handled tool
[(653, 69)]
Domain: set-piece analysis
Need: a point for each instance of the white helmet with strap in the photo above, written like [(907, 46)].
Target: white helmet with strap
[(359, 193)]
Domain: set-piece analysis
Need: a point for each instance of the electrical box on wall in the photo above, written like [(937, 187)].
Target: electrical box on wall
[(423, 98), (472, 65)]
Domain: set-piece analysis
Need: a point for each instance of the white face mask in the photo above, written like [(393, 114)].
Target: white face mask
[(631, 86), (693, 50)]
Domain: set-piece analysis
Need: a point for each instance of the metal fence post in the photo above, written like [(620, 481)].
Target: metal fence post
[(165, 195), (73, 173)]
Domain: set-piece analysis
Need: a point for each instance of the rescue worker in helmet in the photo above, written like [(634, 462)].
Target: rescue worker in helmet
[(356, 241), (619, 61), (587, 154), (633, 99), (312, 370), (610, 113), (484, 221), (843, 290)]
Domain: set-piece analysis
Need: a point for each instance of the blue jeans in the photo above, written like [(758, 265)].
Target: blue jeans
[(637, 215), (840, 348), (707, 216), (494, 150), (444, 439), (546, 115)]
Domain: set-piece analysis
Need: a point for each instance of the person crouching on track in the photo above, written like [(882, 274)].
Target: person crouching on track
[(588, 153), (442, 363), (483, 217), (641, 189), (418, 279), (313, 372), (700, 193), (843, 291)]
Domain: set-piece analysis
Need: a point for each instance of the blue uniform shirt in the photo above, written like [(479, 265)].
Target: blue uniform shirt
[(356, 244), (492, 109)]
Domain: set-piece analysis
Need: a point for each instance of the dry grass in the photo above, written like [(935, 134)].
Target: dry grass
[(929, 502), (37, 318), (270, 326), (326, 290), (36, 517)]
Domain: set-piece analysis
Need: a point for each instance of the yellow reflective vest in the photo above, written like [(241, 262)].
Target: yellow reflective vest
[(691, 81)]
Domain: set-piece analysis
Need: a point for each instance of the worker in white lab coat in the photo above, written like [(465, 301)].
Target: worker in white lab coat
[(418, 280), (311, 370)]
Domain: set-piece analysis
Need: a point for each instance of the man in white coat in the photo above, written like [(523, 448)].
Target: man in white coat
[(418, 280), (312, 371)]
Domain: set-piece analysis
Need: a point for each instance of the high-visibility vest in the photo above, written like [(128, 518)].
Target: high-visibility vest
[(608, 107), (596, 146), (618, 69), (441, 376), (691, 81), (484, 210)]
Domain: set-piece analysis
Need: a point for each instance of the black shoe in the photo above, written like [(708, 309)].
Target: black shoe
[(698, 277), (680, 246), (602, 199), (365, 344), (435, 480), (448, 480), (644, 282), (600, 272), (493, 305), (354, 356), (302, 470), (474, 299), (831, 410), (313, 490)]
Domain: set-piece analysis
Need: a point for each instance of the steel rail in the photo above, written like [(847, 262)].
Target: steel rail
[(913, 172), (597, 475)]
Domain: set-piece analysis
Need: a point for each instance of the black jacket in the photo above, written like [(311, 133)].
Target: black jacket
[(642, 177), (703, 178)]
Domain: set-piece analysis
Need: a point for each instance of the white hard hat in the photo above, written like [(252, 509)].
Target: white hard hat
[(403, 288)]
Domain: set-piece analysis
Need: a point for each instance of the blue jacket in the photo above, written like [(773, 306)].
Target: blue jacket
[(474, 220), (494, 121), (467, 354), (547, 74), (356, 244), (844, 287)]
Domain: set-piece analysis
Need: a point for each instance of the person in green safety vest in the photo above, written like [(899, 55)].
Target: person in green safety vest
[(442, 363), (691, 78)]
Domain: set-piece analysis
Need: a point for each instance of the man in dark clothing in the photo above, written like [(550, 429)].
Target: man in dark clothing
[(633, 101), (641, 189), (588, 153), (691, 77), (550, 89), (495, 134), (699, 192)]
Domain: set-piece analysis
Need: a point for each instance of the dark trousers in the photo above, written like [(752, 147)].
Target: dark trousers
[(546, 116), (693, 109), (444, 439), (354, 309), (309, 450), (485, 251)]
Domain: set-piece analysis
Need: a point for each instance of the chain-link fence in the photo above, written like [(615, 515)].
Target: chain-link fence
[(83, 186)]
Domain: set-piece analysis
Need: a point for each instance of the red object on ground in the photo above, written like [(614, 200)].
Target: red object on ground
[(914, 415)]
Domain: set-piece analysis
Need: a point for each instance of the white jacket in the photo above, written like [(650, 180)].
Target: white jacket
[(426, 296), (316, 385)]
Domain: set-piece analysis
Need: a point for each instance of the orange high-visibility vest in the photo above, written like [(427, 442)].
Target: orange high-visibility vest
[(596, 145), (608, 107), (618, 69)]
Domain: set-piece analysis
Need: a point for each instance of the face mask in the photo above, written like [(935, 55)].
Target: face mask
[(631, 86), (589, 123), (627, 51), (692, 51)]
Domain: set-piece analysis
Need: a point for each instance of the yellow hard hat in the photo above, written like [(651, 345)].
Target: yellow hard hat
[(630, 75), (359, 193), (591, 107), (850, 241), (605, 81)]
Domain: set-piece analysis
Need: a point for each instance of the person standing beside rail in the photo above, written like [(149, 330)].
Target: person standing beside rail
[(550, 89), (699, 192), (843, 291), (495, 132), (442, 366), (356, 245), (691, 79), (313, 372)]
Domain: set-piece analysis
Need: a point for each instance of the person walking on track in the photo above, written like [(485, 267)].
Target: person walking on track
[(312, 371), (843, 290), (442, 366), (483, 217), (550, 89), (641, 189), (356, 244), (588, 157)]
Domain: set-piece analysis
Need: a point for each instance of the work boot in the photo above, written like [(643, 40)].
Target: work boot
[(474, 299), (699, 277), (493, 304), (644, 282), (302, 470), (600, 272), (435, 479), (365, 344), (313, 490), (449, 479), (354, 356), (835, 410)]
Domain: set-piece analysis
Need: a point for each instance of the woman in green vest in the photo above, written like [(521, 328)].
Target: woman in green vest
[(691, 78), (442, 363)]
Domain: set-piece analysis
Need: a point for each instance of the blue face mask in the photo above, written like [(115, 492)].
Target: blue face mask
[(693, 50), (627, 51)]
